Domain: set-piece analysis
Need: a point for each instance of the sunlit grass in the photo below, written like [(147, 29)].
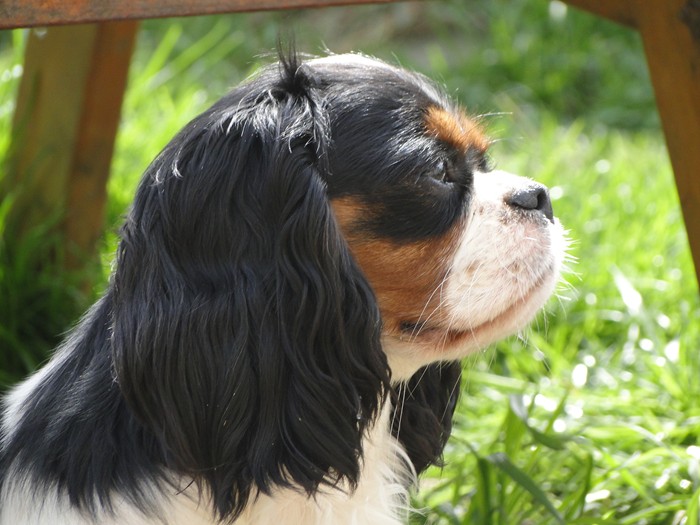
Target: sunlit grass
[(592, 416), (599, 403)]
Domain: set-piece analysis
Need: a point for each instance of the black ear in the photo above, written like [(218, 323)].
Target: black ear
[(244, 335), (423, 409)]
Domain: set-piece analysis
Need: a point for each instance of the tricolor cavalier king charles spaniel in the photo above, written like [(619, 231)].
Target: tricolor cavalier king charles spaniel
[(302, 268)]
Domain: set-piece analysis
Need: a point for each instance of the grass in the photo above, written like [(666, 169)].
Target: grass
[(596, 407), (592, 416)]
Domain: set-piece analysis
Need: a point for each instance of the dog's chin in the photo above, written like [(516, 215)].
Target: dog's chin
[(412, 349), (459, 342)]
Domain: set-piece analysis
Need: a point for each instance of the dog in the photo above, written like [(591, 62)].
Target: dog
[(301, 270)]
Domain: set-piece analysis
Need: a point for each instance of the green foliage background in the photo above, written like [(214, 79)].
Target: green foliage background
[(592, 416)]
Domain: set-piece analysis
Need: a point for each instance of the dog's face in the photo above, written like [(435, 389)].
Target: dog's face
[(459, 256), (294, 257)]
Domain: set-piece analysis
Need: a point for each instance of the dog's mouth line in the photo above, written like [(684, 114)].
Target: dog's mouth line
[(425, 331)]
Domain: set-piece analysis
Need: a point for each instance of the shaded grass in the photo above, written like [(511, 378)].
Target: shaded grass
[(591, 416)]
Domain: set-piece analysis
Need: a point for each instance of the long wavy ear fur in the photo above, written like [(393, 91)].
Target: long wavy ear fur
[(423, 410), (244, 335)]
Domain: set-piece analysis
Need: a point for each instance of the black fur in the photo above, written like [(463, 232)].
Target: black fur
[(423, 410), (238, 342), (78, 432)]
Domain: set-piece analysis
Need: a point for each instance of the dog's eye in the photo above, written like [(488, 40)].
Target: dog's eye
[(441, 172), (484, 163)]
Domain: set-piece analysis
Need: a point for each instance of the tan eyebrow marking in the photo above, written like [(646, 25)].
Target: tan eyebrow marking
[(457, 130)]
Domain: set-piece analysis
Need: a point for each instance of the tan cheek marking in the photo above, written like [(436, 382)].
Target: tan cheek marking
[(348, 211), (457, 130), (405, 277)]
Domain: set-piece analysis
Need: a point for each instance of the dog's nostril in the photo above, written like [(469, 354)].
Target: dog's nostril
[(535, 197)]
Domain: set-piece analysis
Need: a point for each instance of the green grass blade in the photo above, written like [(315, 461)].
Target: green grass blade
[(693, 512), (553, 441), (526, 482)]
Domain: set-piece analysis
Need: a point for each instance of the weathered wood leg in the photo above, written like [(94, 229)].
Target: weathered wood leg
[(64, 127), (670, 31)]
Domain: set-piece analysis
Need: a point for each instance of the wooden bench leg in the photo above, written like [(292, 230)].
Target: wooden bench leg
[(64, 127), (670, 30), (673, 55)]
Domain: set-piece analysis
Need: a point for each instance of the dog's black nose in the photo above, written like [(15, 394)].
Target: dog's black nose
[(533, 197)]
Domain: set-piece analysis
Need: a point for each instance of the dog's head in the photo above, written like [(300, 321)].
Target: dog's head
[(302, 248)]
